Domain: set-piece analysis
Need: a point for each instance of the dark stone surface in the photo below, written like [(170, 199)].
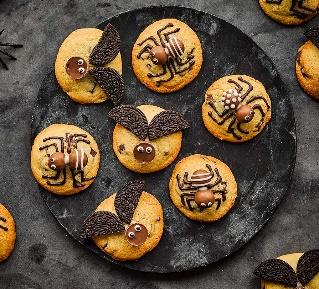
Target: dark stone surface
[(45, 257), (268, 159)]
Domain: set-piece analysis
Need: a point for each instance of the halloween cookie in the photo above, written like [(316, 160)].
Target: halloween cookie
[(292, 271), (202, 188), (127, 224), (64, 159), (88, 66), (236, 108), (307, 64), (7, 233), (290, 12), (147, 138), (167, 56)]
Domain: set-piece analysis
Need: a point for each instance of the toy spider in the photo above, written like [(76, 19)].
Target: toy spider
[(4, 65), (298, 7), (238, 108), (69, 155), (166, 52), (2, 227), (204, 196)]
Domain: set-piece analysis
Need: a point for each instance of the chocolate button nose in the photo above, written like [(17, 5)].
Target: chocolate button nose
[(144, 152)]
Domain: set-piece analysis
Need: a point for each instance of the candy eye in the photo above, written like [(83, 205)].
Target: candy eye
[(140, 149), (209, 204), (52, 160), (131, 235), (203, 205), (247, 117), (155, 60), (149, 150), (53, 167), (81, 70), (137, 228), (252, 112), (80, 62)]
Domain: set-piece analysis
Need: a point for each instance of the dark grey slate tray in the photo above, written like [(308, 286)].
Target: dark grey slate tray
[(263, 167)]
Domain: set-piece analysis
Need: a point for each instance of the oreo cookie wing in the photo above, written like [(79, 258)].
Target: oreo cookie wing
[(107, 48), (110, 81), (132, 119), (313, 35), (101, 223), (165, 123), (127, 199), (308, 266), (276, 270)]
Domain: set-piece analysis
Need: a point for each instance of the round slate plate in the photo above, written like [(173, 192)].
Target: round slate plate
[(263, 166)]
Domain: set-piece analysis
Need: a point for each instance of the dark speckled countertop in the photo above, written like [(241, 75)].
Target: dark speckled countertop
[(45, 256)]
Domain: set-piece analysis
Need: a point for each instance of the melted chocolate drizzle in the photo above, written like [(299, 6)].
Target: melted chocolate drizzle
[(234, 126), (101, 223), (110, 81), (127, 199), (313, 35), (165, 123), (174, 66), (107, 48)]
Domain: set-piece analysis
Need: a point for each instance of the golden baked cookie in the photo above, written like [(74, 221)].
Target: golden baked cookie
[(65, 159), (290, 12), (147, 138), (7, 233), (291, 271), (127, 224), (307, 65), (203, 188), (167, 56), (236, 108), (88, 66)]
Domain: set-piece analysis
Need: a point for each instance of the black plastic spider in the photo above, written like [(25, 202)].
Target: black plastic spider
[(2, 52)]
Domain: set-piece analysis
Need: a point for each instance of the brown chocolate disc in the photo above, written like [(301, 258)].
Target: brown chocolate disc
[(56, 161), (76, 67), (245, 113), (136, 234), (204, 198), (144, 152), (158, 55)]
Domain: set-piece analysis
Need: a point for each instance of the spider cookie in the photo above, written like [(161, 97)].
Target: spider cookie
[(88, 66), (307, 64), (292, 271), (236, 108), (147, 138), (127, 224), (64, 159), (290, 12), (167, 56), (7, 233), (203, 188)]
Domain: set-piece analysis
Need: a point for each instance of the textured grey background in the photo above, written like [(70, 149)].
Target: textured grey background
[(45, 257)]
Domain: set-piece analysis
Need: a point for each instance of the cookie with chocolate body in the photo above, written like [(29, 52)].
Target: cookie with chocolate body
[(147, 138), (291, 271), (236, 108), (203, 188), (126, 225), (88, 66), (7, 233), (64, 159), (167, 56), (290, 12), (307, 64)]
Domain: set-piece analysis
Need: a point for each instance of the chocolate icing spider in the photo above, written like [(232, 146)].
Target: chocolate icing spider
[(238, 108), (201, 190), (166, 50), (68, 156)]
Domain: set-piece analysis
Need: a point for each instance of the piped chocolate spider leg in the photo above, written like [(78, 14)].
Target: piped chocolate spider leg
[(259, 107), (55, 177), (60, 183), (218, 180), (160, 31), (253, 98), (187, 198), (301, 5), (231, 129), (190, 56), (185, 184), (152, 38), (3, 227), (227, 116), (250, 87), (239, 128), (158, 83), (84, 179), (219, 202), (181, 70), (145, 49), (238, 86), (50, 145), (274, 1), (76, 183), (163, 72), (169, 33), (212, 105), (56, 137)]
